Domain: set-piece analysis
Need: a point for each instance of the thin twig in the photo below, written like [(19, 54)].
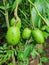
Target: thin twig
[(23, 13), (15, 11), (2, 12), (13, 58)]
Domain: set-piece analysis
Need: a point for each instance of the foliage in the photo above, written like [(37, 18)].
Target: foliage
[(33, 14)]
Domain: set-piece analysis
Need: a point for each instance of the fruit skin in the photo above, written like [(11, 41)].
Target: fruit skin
[(38, 36), (26, 33), (18, 24), (13, 35)]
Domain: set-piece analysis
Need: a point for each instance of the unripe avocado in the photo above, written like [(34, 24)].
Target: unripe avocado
[(38, 36), (18, 24), (13, 35), (26, 33)]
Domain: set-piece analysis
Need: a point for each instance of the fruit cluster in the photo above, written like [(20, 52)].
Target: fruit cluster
[(13, 33)]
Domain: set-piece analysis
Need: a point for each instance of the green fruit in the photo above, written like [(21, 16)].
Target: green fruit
[(26, 33), (13, 35), (18, 24), (12, 21), (38, 36)]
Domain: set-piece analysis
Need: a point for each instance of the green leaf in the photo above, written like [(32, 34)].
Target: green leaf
[(40, 50), (45, 28), (40, 5), (25, 62), (40, 63), (8, 6), (39, 23), (27, 51), (36, 20), (2, 7), (23, 54), (14, 4), (10, 64), (5, 45), (47, 20), (34, 53), (20, 56), (5, 57), (18, 1), (45, 34), (1, 48), (44, 59)]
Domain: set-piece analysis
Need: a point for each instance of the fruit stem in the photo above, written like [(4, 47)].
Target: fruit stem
[(15, 12), (38, 12), (6, 14)]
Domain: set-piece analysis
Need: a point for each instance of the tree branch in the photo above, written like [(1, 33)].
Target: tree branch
[(6, 14)]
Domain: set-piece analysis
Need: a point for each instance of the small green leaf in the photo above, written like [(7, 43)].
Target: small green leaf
[(47, 29), (8, 6), (14, 4), (27, 51), (40, 50), (44, 27), (34, 53), (1, 48), (40, 63), (45, 34), (18, 1), (36, 20), (2, 7), (47, 20), (10, 64), (44, 59), (20, 56), (39, 23)]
